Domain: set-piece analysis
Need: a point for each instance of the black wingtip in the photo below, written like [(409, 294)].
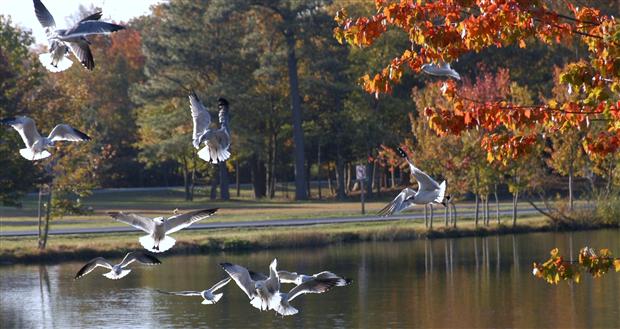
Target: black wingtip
[(225, 265), (7, 121), (82, 135), (348, 281), (222, 101), (401, 152)]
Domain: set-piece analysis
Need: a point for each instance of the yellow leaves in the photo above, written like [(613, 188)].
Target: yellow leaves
[(553, 104), (617, 265), (556, 269), (521, 43)]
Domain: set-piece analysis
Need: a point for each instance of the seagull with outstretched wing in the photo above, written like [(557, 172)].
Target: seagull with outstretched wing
[(119, 270), (158, 229), (264, 292), (209, 297), (216, 140), (37, 145), (308, 284), (429, 191), (74, 39)]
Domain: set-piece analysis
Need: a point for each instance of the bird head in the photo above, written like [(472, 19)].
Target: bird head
[(222, 102)]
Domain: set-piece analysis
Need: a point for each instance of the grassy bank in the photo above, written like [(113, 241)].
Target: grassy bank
[(84, 247)]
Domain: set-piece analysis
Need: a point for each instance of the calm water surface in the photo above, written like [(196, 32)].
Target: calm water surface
[(469, 282)]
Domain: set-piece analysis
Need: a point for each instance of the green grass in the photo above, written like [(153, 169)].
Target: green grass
[(163, 202)]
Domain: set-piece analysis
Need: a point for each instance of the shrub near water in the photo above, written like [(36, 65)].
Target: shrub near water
[(608, 210)]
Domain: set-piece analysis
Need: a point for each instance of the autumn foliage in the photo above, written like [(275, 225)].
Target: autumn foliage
[(442, 31), (557, 268)]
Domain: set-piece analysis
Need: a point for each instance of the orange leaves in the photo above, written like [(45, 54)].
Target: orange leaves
[(556, 268)]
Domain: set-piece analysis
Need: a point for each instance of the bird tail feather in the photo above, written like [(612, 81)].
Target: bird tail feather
[(113, 276), (149, 243), (205, 154), (31, 155), (286, 309), (216, 298), (47, 59)]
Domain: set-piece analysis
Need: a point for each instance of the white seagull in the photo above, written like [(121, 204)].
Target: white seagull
[(429, 191), (75, 37), (117, 271), (36, 145), (264, 293), (217, 141), (442, 70), (208, 295), (308, 284), (158, 228)]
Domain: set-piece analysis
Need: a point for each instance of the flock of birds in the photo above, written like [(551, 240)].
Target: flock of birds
[(262, 290)]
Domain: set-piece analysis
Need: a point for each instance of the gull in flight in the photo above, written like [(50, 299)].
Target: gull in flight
[(429, 191), (117, 271), (74, 37), (158, 228), (208, 295), (36, 145), (442, 70), (217, 141), (305, 284), (264, 292)]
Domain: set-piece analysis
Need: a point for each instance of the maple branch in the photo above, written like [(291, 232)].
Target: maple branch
[(529, 107)]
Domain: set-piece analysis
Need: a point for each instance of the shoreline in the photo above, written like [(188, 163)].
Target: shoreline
[(268, 238)]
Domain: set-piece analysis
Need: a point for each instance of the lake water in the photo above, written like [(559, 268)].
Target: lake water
[(468, 282)]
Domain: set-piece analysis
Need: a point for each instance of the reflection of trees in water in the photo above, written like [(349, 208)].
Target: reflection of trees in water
[(44, 292)]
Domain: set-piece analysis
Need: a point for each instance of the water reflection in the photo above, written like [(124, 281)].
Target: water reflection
[(469, 282)]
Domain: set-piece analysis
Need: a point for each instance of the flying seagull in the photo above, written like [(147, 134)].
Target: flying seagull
[(117, 271), (158, 228), (297, 279), (442, 70), (217, 140), (314, 284), (264, 293), (208, 295), (429, 191), (74, 37), (36, 145)]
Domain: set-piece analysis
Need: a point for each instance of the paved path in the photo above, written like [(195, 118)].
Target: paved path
[(439, 217)]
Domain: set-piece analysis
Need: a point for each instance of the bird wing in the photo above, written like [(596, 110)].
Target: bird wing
[(287, 277), (99, 261), (142, 223), (25, 127), (181, 293), (396, 205), (94, 17), (340, 282), (257, 276), (242, 277), (179, 222), (44, 16), (425, 182), (273, 282), (220, 284), (141, 257), (200, 117), (63, 132), (313, 286), (90, 27), (81, 50)]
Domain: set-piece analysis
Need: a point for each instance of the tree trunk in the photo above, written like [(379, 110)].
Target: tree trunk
[(496, 205), (515, 198), (453, 214), (214, 184), (40, 215), (308, 179), (318, 169), (432, 215), (258, 177), (224, 184), (48, 214), (330, 186), (393, 185), (445, 215), (238, 186), (298, 133), (426, 216), (185, 177), (477, 210), (340, 192), (570, 186)]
